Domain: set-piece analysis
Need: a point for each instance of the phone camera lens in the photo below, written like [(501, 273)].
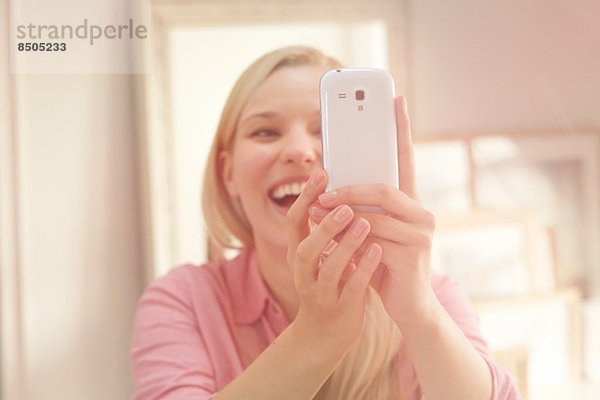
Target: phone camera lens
[(360, 95)]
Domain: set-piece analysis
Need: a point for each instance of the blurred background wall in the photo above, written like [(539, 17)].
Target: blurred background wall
[(534, 65), (74, 238), (71, 272)]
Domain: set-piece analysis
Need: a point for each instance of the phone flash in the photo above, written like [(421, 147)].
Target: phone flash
[(360, 108)]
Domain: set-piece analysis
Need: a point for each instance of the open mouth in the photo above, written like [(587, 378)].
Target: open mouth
[(286, 194)]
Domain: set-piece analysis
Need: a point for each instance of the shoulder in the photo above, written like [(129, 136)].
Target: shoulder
[(190, 288), (180, 324), (184, 282)]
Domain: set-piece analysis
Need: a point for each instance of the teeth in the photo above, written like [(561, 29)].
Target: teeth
[(288, 189)]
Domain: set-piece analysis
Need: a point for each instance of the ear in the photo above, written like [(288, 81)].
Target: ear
[(226, 164)]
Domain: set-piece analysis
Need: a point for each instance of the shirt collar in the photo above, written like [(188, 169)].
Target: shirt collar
[(247, 289)]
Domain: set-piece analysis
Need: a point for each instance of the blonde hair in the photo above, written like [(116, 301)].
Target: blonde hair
[(369, 370)]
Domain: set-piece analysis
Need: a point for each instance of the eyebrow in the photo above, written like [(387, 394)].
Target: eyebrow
[(264, 114), (268, 114)]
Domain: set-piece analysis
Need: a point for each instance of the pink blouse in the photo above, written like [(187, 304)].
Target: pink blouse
[(197, 328)]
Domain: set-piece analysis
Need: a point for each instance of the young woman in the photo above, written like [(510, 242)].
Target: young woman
[(323, 301)]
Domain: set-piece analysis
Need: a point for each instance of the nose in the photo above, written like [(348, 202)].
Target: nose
[(301, 147)]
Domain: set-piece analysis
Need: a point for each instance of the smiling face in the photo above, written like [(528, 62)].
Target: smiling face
[(277, 145)]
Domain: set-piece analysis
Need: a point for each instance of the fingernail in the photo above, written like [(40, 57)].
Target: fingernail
[(327, 198), (359, 227), (316, 178), (373, 251), (343, 214)]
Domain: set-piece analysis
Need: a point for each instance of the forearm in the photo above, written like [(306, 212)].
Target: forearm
[(290, 368), (446, 363)]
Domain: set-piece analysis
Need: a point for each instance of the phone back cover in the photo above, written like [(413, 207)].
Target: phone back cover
[(359, 136)]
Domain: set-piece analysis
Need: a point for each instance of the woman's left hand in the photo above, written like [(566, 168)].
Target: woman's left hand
[(404, 232)]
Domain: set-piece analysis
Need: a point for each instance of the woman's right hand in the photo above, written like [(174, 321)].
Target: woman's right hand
[(331, 287)]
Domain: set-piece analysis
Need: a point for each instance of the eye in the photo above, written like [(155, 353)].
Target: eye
[(264, 133)]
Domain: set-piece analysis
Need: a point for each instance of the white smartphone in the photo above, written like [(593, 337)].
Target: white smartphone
[(358, 126)]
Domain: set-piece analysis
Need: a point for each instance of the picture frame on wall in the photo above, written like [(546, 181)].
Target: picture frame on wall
[(556, 175), (552, 175), (494, 254)]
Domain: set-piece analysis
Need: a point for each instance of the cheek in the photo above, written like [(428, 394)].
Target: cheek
[(319, 149), (251, 165), (259, 155)]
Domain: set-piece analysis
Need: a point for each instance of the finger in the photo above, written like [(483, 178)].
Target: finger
[(347, 272), (310, 249), (394, 229), (354, 290), (380, 271), (317, 213), (332, 268), (388, 198), (297, 215), (385, 228), (397, 230), (406, 160), (394, 254)]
